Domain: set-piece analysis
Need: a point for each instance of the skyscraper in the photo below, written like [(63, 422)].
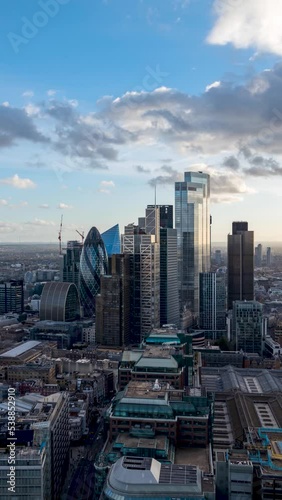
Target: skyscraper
[(11, 297), (113, 303), (145, 274), (169, 301), (93, 264), (212, 301), (240, 263), (258, 255), (268, 257), (192, 222), (248, 326), (111, 239), (70, 261), (166, 215)]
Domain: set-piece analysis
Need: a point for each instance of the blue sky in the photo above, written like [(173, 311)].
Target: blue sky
[(103, 99)]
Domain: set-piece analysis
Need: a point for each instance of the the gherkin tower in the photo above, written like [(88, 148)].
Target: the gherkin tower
[(93, 264)]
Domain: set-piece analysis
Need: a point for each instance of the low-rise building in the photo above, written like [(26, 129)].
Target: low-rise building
[(150, 409)]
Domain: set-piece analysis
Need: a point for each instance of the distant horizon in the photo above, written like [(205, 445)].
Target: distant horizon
[(213, 244)]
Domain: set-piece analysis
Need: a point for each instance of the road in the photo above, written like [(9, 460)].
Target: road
[(81, 484)]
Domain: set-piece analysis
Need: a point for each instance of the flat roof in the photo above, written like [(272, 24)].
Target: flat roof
[(20, 349), (143, 389)]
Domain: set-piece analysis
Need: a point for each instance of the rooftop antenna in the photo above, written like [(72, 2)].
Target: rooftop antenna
[(82, 235), (60, 235)]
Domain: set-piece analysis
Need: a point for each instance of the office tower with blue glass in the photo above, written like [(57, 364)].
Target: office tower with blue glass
[(111, 239), (93, 264), (192, 222), (212, 315), (240, 251)]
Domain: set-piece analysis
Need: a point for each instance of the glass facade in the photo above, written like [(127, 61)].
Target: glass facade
[(59, 302), (111, 239), (212, 306), (169, 303), (192, 222), (248, 326), (93, 264), (69, 268)]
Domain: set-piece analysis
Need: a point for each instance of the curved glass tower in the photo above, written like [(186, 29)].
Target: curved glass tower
[(111, 238), (93, 264)]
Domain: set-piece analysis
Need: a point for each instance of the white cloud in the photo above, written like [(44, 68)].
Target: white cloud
[(248, 24), (64, 206), (3, 203), (213, 85), (18, 182), (73, 103), (40, 222), (44, 205), (8, 227), (107, 183), (51, 92), (32, 110), (104, 191), (6, 104), (28, 93)]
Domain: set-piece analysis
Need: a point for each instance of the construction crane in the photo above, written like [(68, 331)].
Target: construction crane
[(60, 235), (81, 234)]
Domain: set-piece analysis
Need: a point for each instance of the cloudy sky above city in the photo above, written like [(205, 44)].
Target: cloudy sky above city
[(103, 99)]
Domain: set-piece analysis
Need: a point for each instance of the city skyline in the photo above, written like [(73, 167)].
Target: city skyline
[(102, 100)]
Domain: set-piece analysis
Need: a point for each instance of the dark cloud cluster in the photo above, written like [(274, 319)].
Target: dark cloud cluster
[(242, 120), (16, 124)]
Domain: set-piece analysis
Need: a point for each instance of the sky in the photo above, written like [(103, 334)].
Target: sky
[(102, 99)]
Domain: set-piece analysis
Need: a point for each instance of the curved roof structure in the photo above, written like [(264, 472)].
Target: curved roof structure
[(93, 264), (59, 302)]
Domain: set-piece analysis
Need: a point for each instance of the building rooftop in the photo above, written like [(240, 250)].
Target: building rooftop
[(252, 380), (20, 349), (167, 362), (145, 390)]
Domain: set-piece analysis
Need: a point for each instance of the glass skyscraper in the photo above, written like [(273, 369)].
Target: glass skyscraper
[(111, 239), (212, 305), (192, 222), (93, 264)]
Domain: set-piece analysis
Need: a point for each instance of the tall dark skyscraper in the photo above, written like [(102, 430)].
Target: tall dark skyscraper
[(93, 264), (113, 304), (240, 263), (192, 222), (11, 297), (70, 262), (169, 301), (268, 257)]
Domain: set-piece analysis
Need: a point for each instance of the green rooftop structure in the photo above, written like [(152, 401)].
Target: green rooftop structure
[(184, 416)]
